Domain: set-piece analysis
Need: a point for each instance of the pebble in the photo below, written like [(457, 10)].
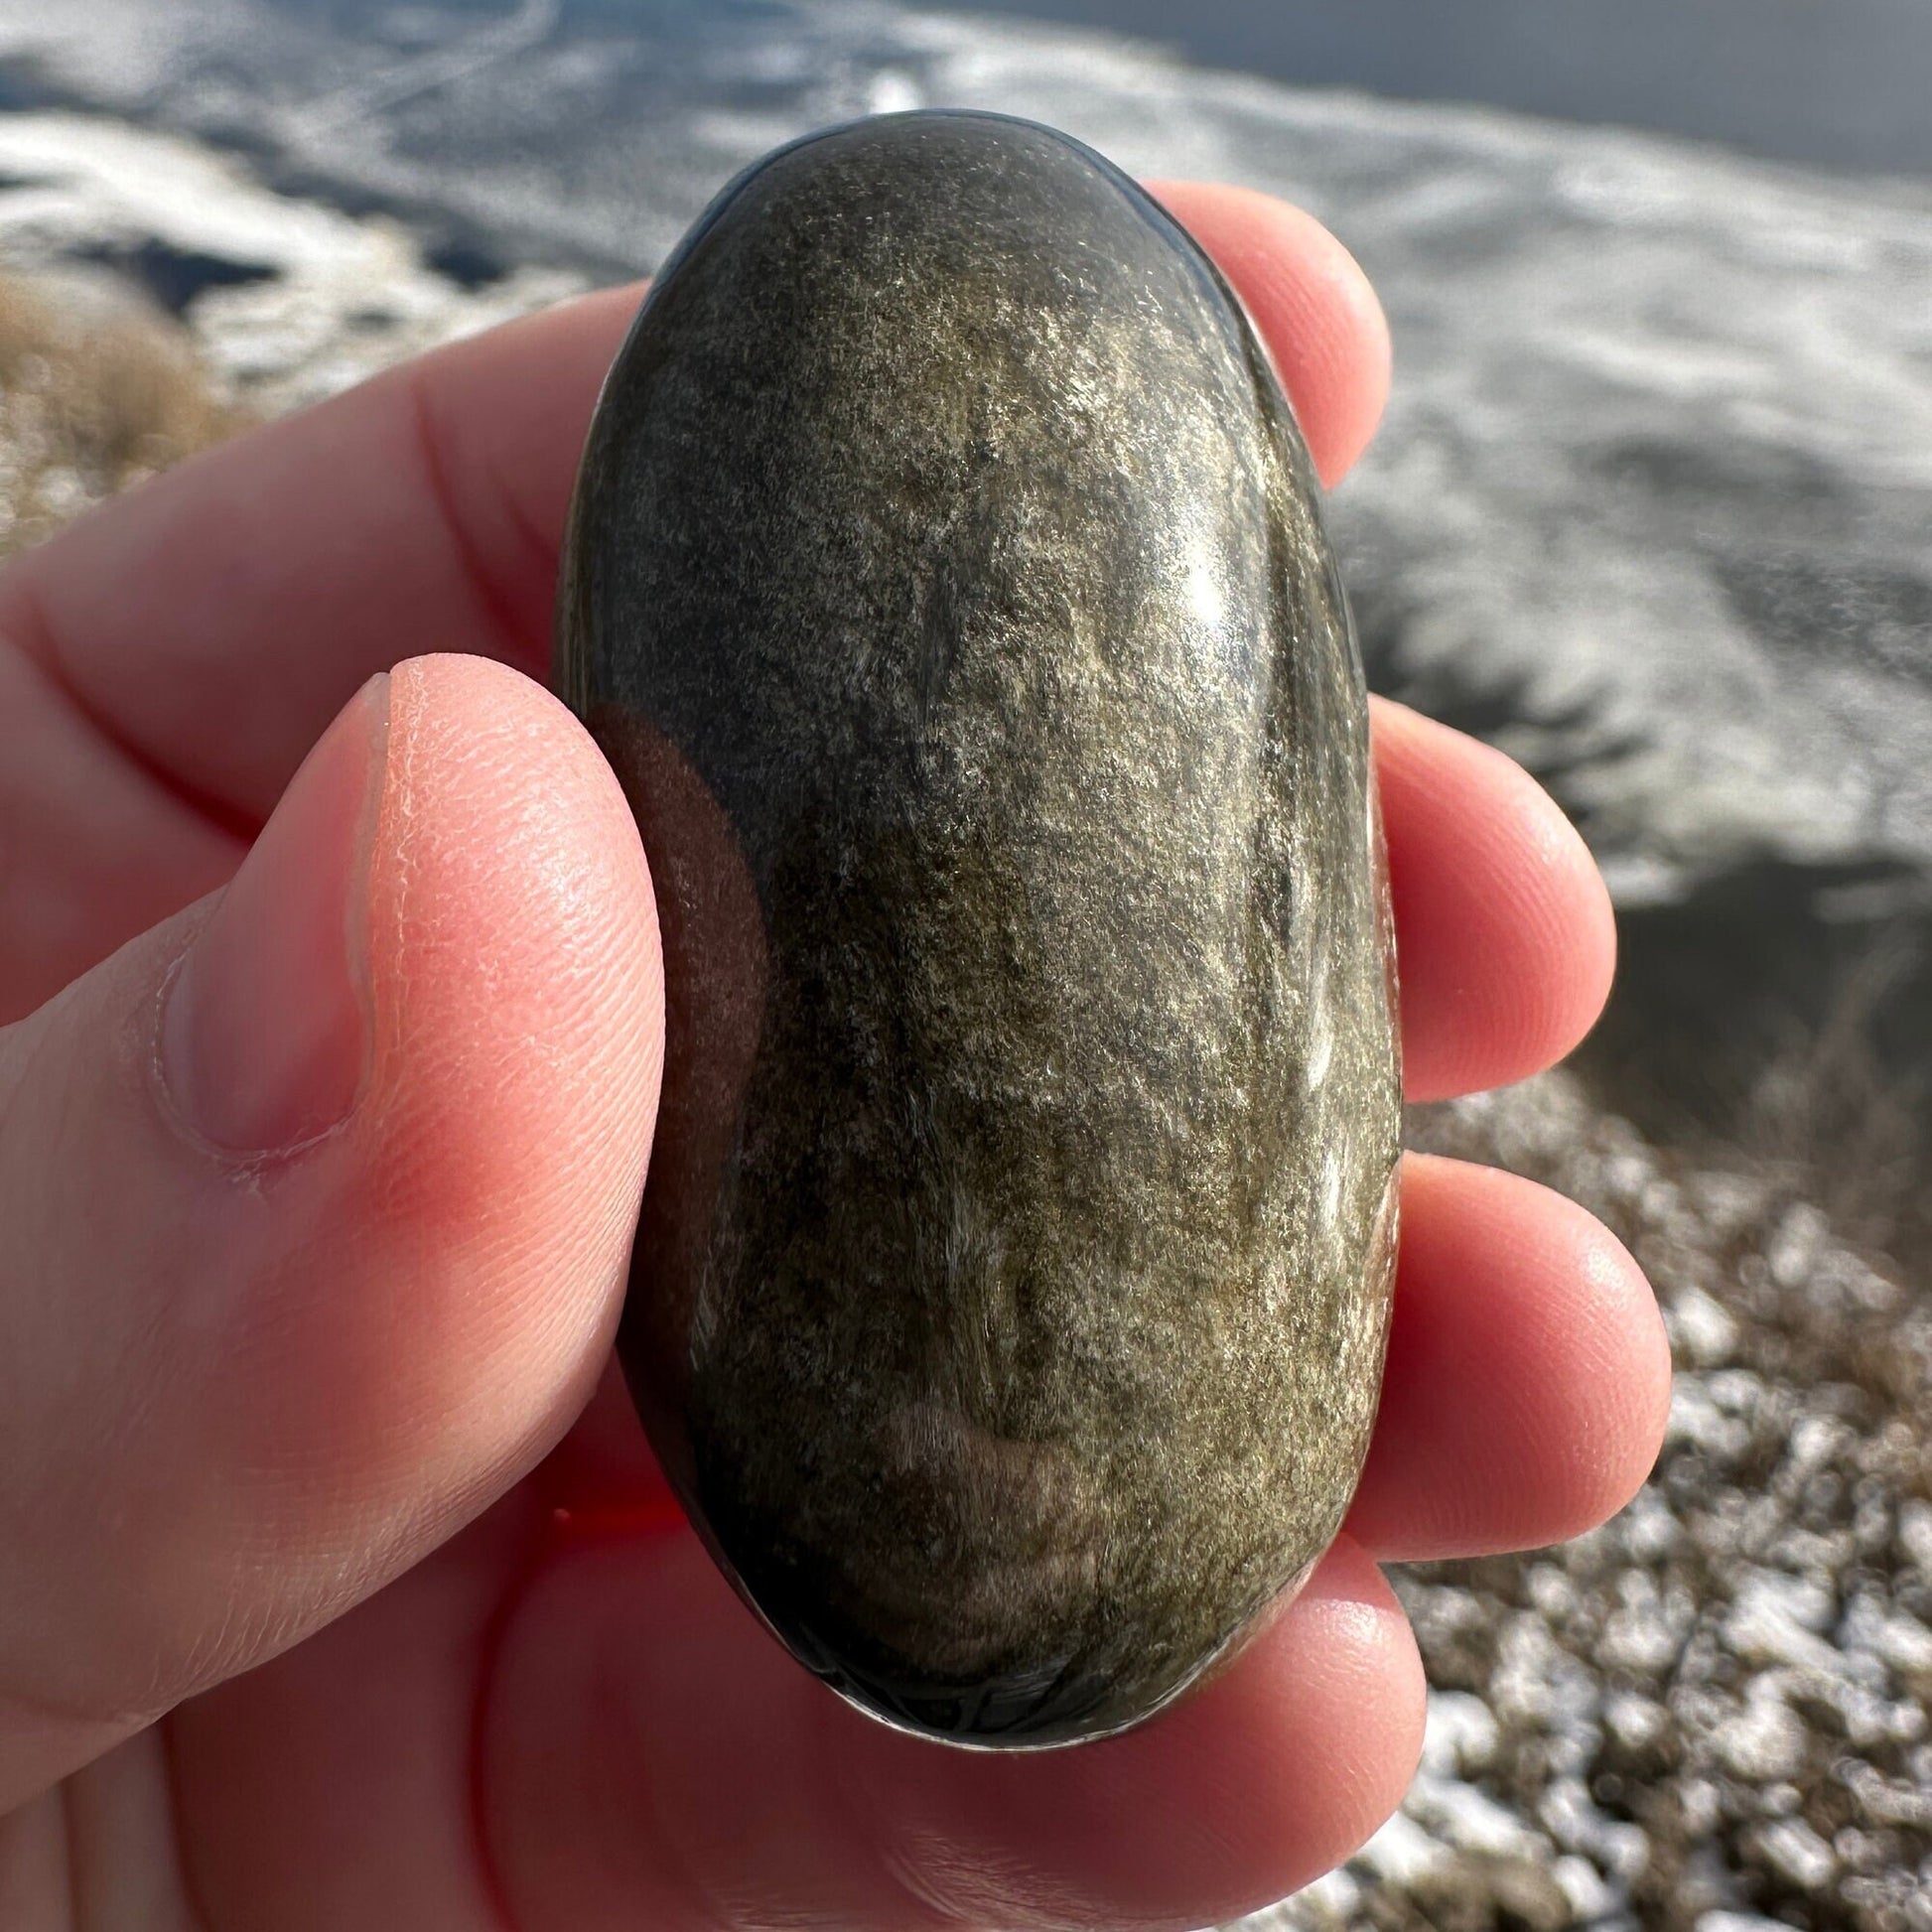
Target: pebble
[(947, 588)]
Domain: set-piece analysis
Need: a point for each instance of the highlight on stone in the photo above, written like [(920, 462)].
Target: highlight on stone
[(947, 588)]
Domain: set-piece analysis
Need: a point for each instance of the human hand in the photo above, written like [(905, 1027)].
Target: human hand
[(321, 1603)]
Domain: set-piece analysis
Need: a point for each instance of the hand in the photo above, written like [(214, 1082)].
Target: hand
[(322, 1605)]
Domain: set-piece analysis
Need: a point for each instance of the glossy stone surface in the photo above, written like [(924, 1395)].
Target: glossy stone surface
[(946, 587)]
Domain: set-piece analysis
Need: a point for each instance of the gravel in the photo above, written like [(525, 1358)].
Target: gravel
[(1712, 1714)]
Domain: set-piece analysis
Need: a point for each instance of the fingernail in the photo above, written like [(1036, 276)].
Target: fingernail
[(265, 1032)]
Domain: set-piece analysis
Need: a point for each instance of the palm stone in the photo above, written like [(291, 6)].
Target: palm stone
[(947, 585)]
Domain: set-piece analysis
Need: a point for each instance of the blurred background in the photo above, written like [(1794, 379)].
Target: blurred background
[(1652, 510), (1843, 85)]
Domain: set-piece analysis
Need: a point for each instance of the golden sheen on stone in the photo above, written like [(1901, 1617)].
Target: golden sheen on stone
[(946, 587)]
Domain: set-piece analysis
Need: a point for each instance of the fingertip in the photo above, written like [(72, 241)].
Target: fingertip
[(461, 1242), (1528, 1375), (1504, 932), (518, 980), (1315, 308)]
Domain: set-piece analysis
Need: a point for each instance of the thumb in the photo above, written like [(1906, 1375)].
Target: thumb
[(314, 1203)]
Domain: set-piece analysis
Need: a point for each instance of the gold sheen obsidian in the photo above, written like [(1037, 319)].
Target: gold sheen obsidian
[(946, 587)]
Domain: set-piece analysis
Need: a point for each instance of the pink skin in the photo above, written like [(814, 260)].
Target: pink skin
[(285, 1436)]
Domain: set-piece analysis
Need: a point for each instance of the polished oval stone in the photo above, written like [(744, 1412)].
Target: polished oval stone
[(946, 587)]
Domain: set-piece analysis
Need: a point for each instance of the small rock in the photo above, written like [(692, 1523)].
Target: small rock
[(1635, 1722), (1589, 1893), (1471, 1820), (1401, 1853), (1518, 1892), (947, 585), (1797, 1854), (1703, 1332), (1766, 1740), (1775, 1619), (1459, 1736)]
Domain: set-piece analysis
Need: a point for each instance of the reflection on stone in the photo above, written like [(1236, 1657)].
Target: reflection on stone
[(946, 585)]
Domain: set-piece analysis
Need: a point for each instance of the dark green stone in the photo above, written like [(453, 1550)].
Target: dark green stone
[(946, 587)]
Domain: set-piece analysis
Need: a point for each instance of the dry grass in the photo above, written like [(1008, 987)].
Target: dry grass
[(96, 395)]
